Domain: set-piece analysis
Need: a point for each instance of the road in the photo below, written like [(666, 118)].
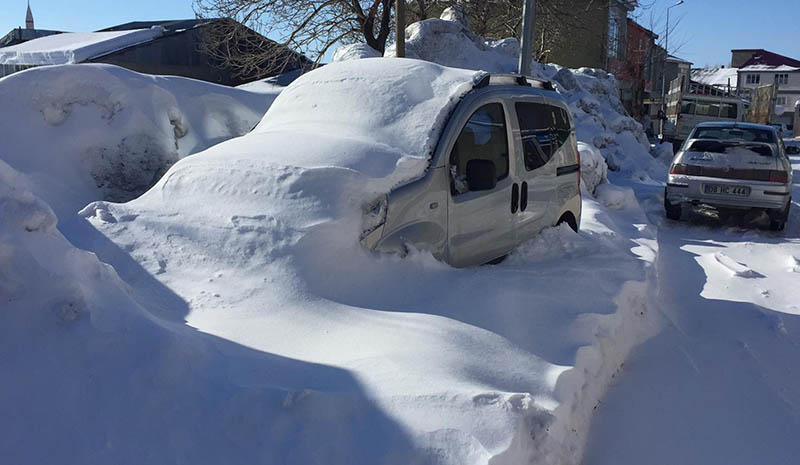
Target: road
[(721, 383)]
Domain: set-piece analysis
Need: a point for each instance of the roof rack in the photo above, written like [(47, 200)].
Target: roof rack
[(515, 80)]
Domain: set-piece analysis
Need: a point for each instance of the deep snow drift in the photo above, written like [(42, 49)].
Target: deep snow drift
[(87, 132), (300, 333)]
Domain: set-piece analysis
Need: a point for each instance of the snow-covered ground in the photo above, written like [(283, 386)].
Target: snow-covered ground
[(721, 382), (230, 315)]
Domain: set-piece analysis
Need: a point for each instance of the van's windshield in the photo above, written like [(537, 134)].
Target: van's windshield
[(734, 133)]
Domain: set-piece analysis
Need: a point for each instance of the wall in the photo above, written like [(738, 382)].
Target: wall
[(586, 44)]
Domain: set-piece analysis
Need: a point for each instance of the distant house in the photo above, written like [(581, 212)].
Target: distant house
[(757, 67), (154, 47), (640, 68)]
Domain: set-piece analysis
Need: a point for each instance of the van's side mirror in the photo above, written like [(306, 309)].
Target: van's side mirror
[(481, 175), (792, 150)]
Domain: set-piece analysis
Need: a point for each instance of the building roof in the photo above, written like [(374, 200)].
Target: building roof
[(715, 76), (674, 59), (780, 68), (19, 35), (74, 47), (172, 25), (765, 57)]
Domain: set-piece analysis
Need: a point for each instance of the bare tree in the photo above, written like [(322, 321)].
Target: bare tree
[(311, 27)]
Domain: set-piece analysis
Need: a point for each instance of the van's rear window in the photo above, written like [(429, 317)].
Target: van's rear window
[(729, 133)]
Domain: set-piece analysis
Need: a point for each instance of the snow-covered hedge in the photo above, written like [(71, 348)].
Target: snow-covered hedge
[(88, 132)]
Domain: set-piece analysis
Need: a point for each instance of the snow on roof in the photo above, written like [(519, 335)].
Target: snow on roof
[(716, 76), (783, 68), (73, 47)]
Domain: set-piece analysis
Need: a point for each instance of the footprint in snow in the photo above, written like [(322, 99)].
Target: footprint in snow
[(737, 269), (794, 264)]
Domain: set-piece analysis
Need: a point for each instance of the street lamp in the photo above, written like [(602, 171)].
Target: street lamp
[(664, 70)]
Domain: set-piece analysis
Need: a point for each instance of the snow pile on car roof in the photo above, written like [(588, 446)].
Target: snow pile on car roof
[(592, 94), (89, 132), (74, 47), (400, 104)]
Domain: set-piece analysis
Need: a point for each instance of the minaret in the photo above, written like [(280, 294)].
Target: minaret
[(29, 17)]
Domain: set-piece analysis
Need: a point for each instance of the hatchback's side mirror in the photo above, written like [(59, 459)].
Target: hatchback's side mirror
[(481, 175), (792, 150)]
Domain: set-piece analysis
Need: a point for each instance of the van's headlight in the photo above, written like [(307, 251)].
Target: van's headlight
[(374, 218)]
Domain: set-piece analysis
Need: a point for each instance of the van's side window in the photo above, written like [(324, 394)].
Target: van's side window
[(544, 129), (484, 137)]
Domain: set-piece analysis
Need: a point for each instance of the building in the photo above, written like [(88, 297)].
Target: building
[(154, 47), (758, 67), (636, 74), (20, 35), (596, 36)]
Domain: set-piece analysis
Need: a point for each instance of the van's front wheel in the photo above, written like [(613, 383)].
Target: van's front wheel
[(568, 218)]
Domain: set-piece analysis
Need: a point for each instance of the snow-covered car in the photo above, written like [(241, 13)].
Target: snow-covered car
[(792, 146), (731, 166), (506, 166)]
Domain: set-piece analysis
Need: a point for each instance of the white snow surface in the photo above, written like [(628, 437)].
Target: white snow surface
[(243, 321), (230, 315), (716, 76), (74, 47), (88, 132)]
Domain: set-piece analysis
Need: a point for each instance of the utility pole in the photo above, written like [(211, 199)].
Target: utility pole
[(526, 45), (400, 28)]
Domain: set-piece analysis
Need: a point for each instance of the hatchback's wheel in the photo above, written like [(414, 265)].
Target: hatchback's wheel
[(673, 209), (778, 218)]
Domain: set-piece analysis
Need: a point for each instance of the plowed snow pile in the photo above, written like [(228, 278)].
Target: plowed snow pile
[(88, 132)]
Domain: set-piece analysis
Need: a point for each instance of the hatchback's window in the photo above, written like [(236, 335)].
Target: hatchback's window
[(484, 137), (731, 147), (544, 129), (731, 133)]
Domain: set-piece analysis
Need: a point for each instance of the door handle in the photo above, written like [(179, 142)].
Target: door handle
[(523, 197), (514, 198)]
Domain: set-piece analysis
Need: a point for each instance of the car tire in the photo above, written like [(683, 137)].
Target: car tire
[(778, 218), (673, 210)]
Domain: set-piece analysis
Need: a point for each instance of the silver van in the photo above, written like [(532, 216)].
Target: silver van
[(506, 167)]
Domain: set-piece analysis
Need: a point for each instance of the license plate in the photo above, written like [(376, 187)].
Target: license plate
[(741, 191)]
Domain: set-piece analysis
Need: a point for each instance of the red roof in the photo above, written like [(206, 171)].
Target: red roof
[(765, 57)]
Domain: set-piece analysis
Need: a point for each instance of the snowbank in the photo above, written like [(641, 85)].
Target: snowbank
[(88, 132), (255, 241), (594, 170), (74, 47), (99, 378), (354, 52)]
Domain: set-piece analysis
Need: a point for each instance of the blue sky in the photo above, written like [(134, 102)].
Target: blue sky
[(707, 31)]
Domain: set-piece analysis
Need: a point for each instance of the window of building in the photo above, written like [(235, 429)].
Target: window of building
[(780, 100), (617, 30), (544, 129), (753, 79), (484, 137), (782, 78)]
